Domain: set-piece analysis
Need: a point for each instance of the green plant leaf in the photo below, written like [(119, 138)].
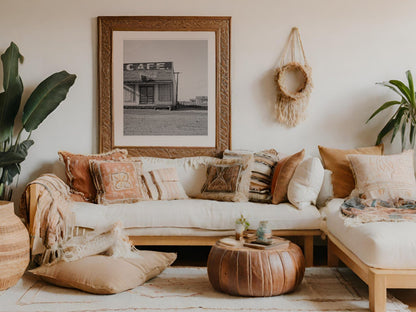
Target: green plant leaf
[(383, 107), (386, 129), (10, 60), (13, 89), (411, 87), (403, 89), (403, 135), (16, 154), (391, 87), (397, 121), (9, 172), (412, 135), (45, 98)]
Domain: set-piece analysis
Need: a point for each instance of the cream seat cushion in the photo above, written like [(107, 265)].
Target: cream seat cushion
[(384, 245), (195, 213)]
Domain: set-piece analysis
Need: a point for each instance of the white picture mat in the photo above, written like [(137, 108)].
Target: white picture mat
[(118, 117)]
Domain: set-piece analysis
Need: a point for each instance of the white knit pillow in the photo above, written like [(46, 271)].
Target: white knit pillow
[(306, 183)]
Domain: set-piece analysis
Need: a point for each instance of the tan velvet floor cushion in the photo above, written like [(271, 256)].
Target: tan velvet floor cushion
[(106, 275)]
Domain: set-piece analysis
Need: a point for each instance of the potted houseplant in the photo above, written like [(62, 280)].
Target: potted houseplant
[(404, 117), (41, 102), (241, 225)]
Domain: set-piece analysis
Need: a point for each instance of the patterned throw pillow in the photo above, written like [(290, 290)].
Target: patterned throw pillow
[(261, 173), (283, 173), (336, 161), (164, 184), (384, 177), (77, 169), (118, 181), (228, 179)]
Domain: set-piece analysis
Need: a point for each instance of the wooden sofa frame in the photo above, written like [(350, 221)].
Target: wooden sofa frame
[(378, 280), (306, 236)]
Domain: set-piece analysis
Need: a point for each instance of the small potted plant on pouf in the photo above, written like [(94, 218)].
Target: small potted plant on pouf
[(241, 225)]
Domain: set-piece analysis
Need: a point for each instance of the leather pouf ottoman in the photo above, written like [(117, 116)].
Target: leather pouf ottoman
[(245, 271)]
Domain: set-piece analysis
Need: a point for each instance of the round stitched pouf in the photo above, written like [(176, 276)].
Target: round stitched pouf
[(246, 271)]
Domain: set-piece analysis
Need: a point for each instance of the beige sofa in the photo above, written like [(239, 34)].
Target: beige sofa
[(192, 221)]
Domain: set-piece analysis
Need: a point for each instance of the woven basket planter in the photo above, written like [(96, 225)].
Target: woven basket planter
[(14, 246)]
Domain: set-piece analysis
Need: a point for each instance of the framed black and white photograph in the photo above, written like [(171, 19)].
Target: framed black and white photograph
[(164, 85)]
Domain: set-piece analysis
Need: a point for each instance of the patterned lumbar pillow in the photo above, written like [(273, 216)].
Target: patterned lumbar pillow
[(261, 173), (118, 181), (228, 179), (77, 169), (164, 184), (384, 177)]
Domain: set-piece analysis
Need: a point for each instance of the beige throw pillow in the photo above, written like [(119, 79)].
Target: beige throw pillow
[(336, 161), (384, 177), (228, 179), (106, 275)]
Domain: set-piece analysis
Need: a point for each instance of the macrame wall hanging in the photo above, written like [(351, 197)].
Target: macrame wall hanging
[(293, 82)]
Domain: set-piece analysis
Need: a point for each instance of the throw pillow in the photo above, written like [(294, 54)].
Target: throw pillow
[(106, 275), (306, 183), (164, 184), (261, 173), (228, 179), (118, 181), (77, 169), (336, 161), (327, 192), (384, 177), (283, 172)]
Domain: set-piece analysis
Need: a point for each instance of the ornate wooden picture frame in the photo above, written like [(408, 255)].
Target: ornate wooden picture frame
[(164, 85)]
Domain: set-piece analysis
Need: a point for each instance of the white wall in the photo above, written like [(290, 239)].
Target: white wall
[(350, 45)]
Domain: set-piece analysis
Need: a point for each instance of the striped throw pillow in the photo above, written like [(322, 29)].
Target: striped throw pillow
[(164, 184), (261, 172)]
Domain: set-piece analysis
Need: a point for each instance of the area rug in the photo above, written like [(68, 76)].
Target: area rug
[(188, 289)]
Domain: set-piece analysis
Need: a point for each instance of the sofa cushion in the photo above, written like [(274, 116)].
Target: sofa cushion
[(336, 161), (385, 245), (228, 179), (168, 184), (384, 177), (282, 175), (306, 183), (77, 170), (191, 170), (118, 181), (195, 213)]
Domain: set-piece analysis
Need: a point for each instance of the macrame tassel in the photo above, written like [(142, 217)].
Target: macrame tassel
[(290, 105)]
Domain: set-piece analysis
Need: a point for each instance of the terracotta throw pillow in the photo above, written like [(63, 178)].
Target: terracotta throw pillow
[(283, 172), (164, 184), (228, 179), (77, 169), (384, 177), (118, 181), (336, 161), (106, 275)]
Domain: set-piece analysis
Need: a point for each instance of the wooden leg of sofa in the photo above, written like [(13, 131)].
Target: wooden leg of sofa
[(308, 250), (333, 260), (377, 292)]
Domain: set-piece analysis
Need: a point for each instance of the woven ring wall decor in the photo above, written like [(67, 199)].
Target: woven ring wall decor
[(305, 82), (293, 79)]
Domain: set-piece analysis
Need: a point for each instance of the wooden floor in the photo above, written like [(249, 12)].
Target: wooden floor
[(198, 255)]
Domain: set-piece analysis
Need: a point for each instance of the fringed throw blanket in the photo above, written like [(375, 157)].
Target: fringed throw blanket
[(50, 221), (359, 210), (51, 227)]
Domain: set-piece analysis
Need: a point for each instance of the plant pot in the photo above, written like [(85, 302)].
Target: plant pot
[(14, 246), (239, 230)]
